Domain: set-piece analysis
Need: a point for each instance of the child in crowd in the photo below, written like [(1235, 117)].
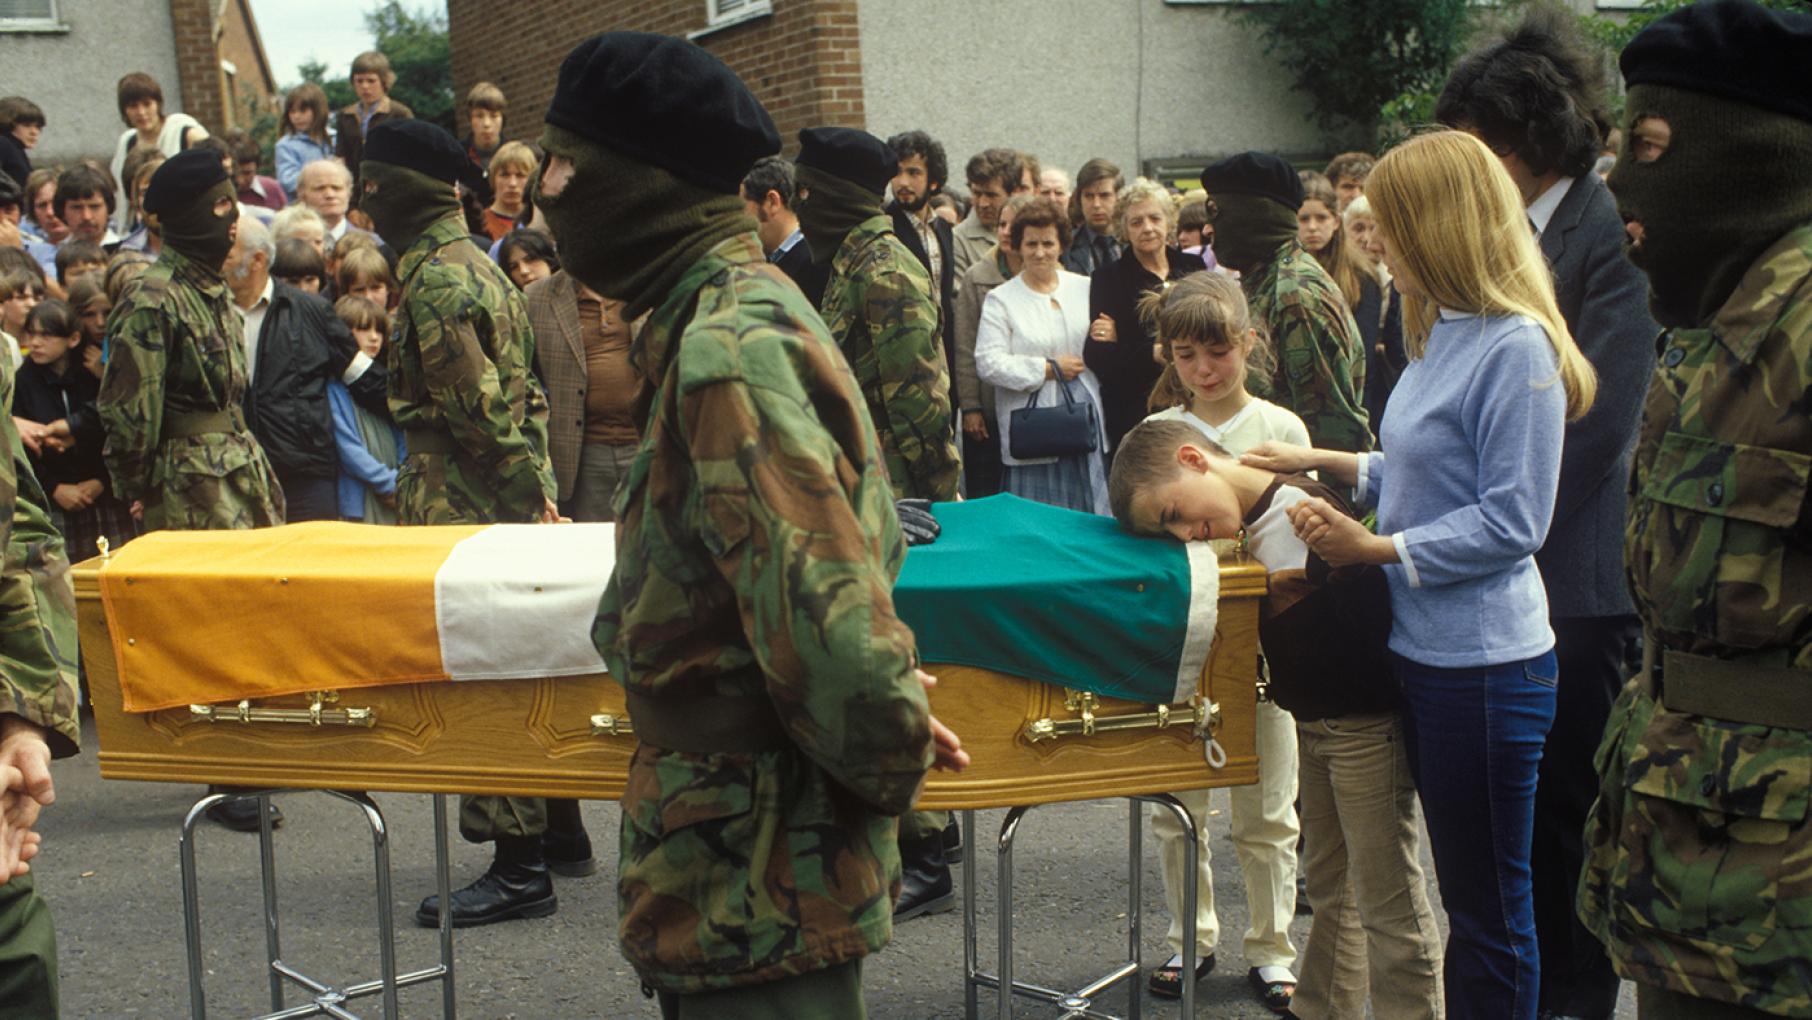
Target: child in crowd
[(1319, 228), (527, 255), (370, 445), (349, 242), (510, 170), (20, 292), (305, 138), (485, 109), (1211, 348), (53, 402), (88, 299), (302, 223), (364, 273), (1384, 358), (300, 265), (78, 259)]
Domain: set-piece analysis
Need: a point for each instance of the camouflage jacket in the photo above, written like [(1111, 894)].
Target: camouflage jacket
[(1320, 356), (1699, 852), (37, 603), (177, 350), (756, 550), (460, 360), (883, 313)]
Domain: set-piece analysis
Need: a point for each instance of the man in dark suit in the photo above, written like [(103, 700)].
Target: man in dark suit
[(1535, 95), (923, 172), (768, 192)]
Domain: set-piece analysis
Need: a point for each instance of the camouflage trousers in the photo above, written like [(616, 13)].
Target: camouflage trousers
[(1661, 1004), (28, 952), (922, 824), (212, 487), (834, 993), (434, 488)]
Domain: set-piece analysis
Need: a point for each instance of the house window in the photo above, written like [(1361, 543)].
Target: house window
[(723, 12), (30, 16)]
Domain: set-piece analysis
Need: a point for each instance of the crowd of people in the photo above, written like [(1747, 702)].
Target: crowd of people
[(1421, 389)]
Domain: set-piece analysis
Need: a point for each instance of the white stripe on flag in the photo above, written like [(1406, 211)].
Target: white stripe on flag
[(517, 600), (1204, 616)]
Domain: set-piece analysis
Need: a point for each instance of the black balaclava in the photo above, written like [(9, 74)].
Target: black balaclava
[(831, 208), (1734, 179), (1249, 229), (403, 203), (629, 229), (197, 232)]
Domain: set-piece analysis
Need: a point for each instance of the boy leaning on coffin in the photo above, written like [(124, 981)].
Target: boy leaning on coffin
[(782, 724), (475, 425)]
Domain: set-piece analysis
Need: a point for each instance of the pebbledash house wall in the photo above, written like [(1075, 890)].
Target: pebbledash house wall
[(1140, 82)]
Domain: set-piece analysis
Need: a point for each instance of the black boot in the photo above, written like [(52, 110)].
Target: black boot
[(566, 845), (516, 886), (239, 815), (953, 841), (925, 886)]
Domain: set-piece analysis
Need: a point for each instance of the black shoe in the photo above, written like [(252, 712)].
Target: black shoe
[(517, 885), (925, 886), (1166, 982), (239, 815), (568, 854), (1302, 898), (953, 842)]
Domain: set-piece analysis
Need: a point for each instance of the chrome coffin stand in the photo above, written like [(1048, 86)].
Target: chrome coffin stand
[(325, 999), (1079, 1004)]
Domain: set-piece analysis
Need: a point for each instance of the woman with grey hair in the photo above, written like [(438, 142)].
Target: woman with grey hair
[(1122, 350)]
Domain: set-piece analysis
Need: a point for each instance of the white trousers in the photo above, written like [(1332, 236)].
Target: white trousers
[(1264, 834)]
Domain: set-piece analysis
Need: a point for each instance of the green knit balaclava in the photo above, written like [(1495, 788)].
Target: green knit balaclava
[(197, 232), (1249, 229), (404, 203), (628, 229), (830, 209), (1734, 179)]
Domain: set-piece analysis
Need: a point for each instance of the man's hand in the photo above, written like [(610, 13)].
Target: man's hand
[(975, 425), (138, 510), (18, 813), (22, 746), (916, 521), (70, 498), (30, 433), (550, 513), (58, 437), (949, 747)]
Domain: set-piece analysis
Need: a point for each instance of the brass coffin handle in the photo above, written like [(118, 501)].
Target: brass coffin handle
[(316, 714), (1161, 717), (605, 724)]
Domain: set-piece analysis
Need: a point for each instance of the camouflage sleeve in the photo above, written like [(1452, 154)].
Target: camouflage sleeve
[(463, 383), (915, 383), (1319, 377), (37, 603), (808, 557), (131, 401)]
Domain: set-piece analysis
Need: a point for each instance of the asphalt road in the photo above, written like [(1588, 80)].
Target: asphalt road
[(109, 871)]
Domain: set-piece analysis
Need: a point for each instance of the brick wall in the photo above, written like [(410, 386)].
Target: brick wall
[(256, 92), (197, 62), (804, 62)]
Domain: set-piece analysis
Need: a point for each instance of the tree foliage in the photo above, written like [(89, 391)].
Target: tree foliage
[(1353, 59), (1616, 33), (416, 43)]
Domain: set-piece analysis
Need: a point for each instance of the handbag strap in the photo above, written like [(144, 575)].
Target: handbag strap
[(1062, 385)]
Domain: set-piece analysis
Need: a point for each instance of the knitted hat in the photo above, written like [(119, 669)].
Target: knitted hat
[(183, 178), (1735, 49), (664, 101), (855, 156), (1255, 173), (420, 146)]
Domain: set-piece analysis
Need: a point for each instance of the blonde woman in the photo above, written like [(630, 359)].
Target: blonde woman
[(1464, 499)]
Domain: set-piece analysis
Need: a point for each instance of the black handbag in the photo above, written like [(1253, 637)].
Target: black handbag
[(1061, 430)]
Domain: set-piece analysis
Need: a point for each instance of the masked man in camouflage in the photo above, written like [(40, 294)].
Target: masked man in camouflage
[(1320, 356), (37, 716), (782, 725), (883, 312), (178, 446), (475, 428), (1699, 850)]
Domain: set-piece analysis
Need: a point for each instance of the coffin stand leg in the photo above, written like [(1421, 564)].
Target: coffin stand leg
[(325, 999)]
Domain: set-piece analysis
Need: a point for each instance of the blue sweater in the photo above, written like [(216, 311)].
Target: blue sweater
[(294, 152), (359, 470), (1466, 492)]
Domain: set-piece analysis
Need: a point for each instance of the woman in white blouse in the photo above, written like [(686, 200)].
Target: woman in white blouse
[(1030, 343)]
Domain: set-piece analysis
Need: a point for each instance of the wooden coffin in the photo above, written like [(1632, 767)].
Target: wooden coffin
[(1031, 742)]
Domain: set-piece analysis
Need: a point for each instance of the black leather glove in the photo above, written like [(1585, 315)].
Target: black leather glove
[(916, 521)]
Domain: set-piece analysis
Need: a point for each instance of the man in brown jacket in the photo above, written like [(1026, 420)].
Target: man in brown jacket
[(582, 350)]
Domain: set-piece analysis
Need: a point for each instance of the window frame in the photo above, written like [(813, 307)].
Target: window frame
[(50, 22)]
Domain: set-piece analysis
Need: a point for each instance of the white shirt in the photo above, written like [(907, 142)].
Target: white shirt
[(254, 323), (338, 230), (1542, 209), (1258, 422), (1020, 329)]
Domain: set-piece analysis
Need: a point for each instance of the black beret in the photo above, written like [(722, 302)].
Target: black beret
[(183, 178), (856, 156), (10, 193), (1255, 173), (665, 101), (421, 146), (1735, 49)]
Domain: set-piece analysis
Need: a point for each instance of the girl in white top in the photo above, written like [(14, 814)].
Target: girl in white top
[(1210, 347), (1031, 336), (142, 108)]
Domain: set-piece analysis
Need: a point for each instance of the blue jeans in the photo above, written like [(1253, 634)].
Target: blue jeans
[(1474, 738)]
